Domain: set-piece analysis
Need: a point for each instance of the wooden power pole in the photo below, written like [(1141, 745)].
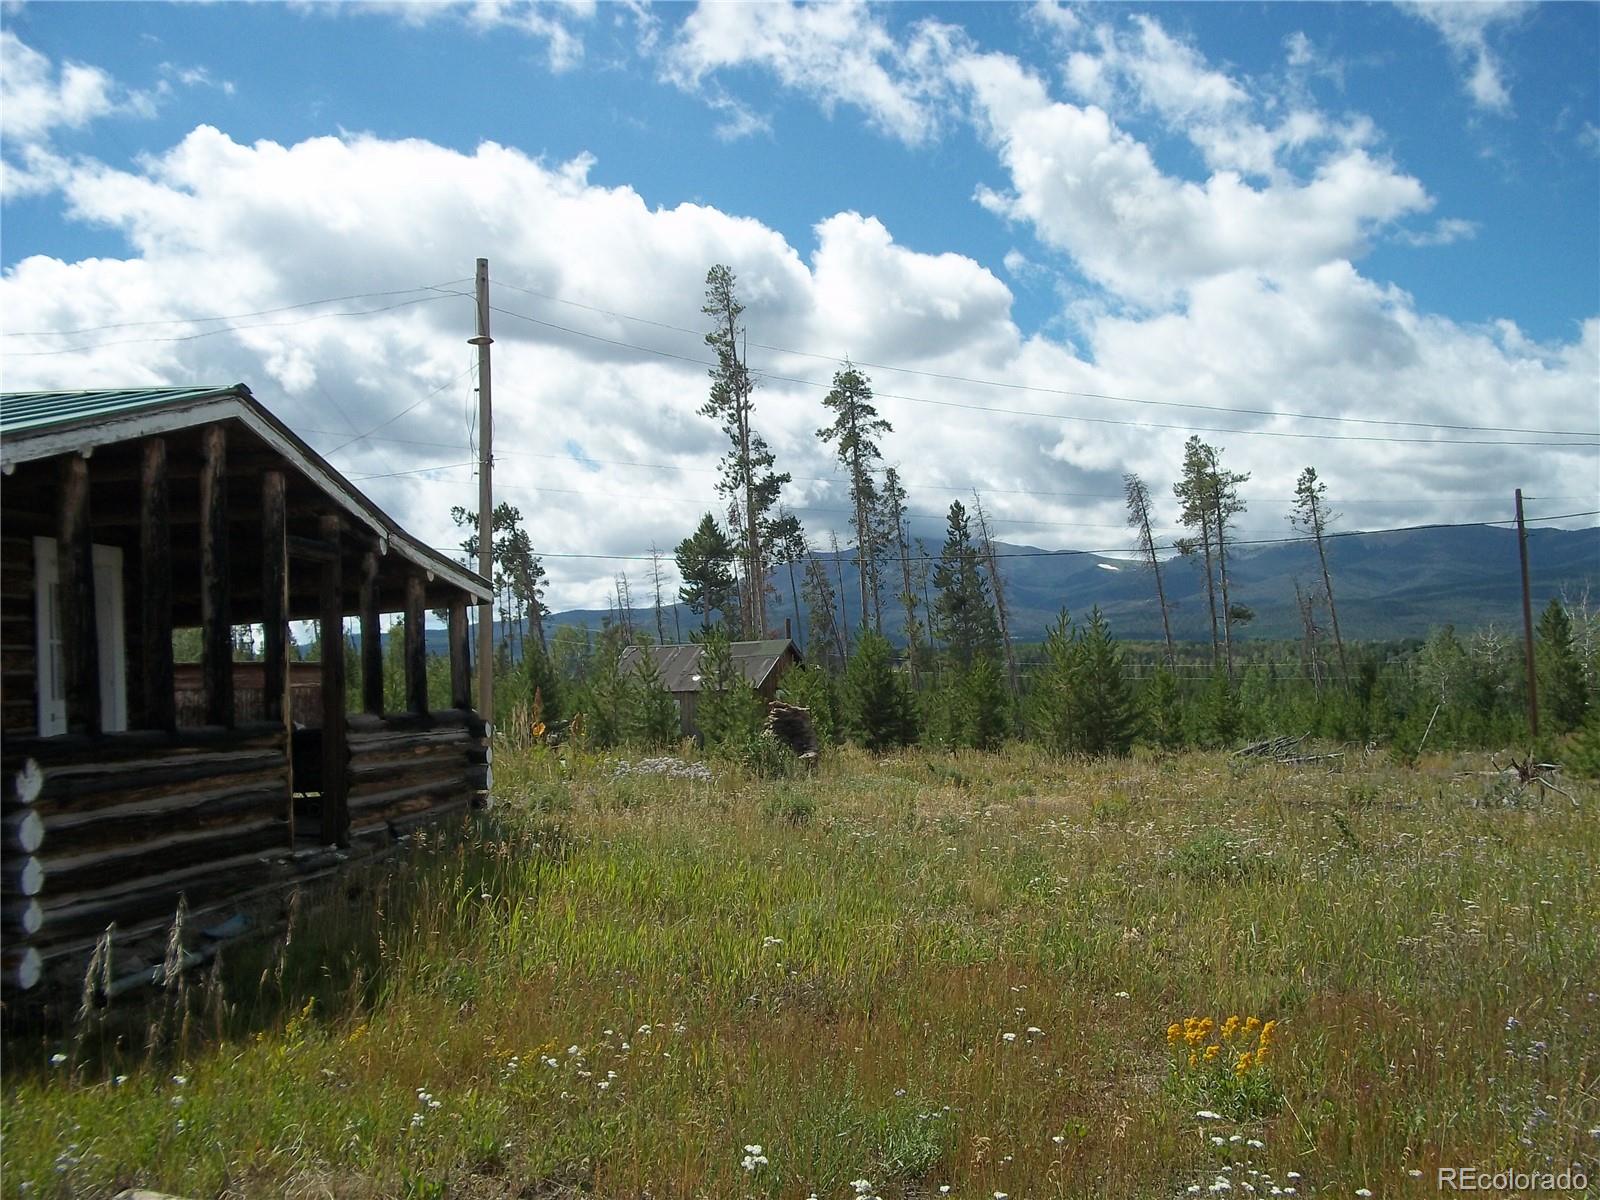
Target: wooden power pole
[(482, 341), (1527, 624)]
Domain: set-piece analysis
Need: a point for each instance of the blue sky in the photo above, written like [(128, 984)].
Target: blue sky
[(1352, 210)]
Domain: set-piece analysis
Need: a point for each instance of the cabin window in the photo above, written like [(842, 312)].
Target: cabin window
[(50, 653)]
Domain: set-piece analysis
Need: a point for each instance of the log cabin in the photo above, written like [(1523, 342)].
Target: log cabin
[(129, 782)]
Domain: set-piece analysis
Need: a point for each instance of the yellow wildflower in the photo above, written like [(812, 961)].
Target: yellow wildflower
[(1174, 1032), (1212, 1051), (1229, 1028), (1261, 1053), (1268, 1031), (1194, 1059), (1253, 1024), (1243, 1065)]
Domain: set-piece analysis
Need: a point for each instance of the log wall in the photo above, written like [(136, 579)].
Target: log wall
[(407, 769), (116, 828)]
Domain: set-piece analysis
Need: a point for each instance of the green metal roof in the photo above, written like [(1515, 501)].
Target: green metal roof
[(33, 412)]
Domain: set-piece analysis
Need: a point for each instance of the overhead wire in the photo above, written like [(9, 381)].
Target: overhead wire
[(1057, 391)]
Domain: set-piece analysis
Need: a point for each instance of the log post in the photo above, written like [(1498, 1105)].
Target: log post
[(275, 621), (335, 800), (416, 644), (216, 632), (155, 589), (275, 595), (371, 638), (460, 656), (79, 634)]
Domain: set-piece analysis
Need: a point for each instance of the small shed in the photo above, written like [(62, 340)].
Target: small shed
[(131, 782), (762, 663)]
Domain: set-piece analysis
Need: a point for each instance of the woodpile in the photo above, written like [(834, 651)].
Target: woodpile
[(791, 725)]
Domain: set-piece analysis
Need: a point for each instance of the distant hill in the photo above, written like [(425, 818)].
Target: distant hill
[(1388, 585)]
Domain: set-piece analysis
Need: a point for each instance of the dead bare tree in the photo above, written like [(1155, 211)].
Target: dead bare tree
[(1138, 497), (1309, 513), (992, 564)]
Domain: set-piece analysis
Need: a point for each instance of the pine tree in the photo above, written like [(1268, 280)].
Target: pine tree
[(855, 429), (728, 712), (816, 690), (747, 475), (1053, 715), (652, 711), (607, 699), (541, 679), (1562, 695), (1106, 712), (1138, 499), (703, 562), (1192, 492), (826, 643), (1163, 710), (875, 700), (966, 617), (985, 705), (894, 520), (1310, 514)]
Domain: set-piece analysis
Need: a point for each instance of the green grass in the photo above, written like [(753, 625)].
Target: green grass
[(830, 966)]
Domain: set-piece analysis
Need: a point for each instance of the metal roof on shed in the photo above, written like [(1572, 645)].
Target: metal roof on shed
[(22, 412), (680, 664)]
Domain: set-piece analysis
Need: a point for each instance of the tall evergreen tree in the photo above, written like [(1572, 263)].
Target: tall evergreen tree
[(747, 475), (966, 617), (1226, 503), (703, 559), (1053, 716), (1562, 695), (728, 711), (1138, 498), (854, 432), (878, 710), (1310, 514), (894, 520), (1108, 715), (1193, 493), (652, 711), (826, 641)]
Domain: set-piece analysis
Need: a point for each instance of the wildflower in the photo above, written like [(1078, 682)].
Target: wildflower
[(1212, 1051), (999, 1196), (1363, 1191), (1035, 1031), (120, 1080), (1123, 996), (753, 1158), (1174, 1032), (1205, 1114), (1243, 1065), (1415, 1173), (1256, 1144), (57, 1059), (1252, 1024), (180, 1080), (1194, 1059), (1229, 1028), (1008, 1037)]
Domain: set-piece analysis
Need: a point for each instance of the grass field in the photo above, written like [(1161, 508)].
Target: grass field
[(898, 976)]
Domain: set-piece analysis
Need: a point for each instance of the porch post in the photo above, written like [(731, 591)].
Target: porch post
[(416, 644), (335, 808), (275, 595), (216, 632), (460, 658), (371, 637), (75, 562), (155, 580)]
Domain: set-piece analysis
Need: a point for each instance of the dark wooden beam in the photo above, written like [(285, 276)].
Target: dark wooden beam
[(80, 640), (460, 659), (316, 549), (416, 643), (335, 798), (371, 637), (216, 631), (274, 598), (155, 589)]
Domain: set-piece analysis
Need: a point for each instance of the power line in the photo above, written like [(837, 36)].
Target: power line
[(1035, 413), (361, 437), (263, 312), (1026, 387), (190, 337), (584, 460), (1124, 550)]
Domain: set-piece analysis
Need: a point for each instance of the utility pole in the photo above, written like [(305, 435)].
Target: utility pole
[(482, 341), (1527, 625)]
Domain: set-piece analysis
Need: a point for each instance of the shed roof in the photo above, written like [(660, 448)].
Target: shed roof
[(35, 425), (680, 664)]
